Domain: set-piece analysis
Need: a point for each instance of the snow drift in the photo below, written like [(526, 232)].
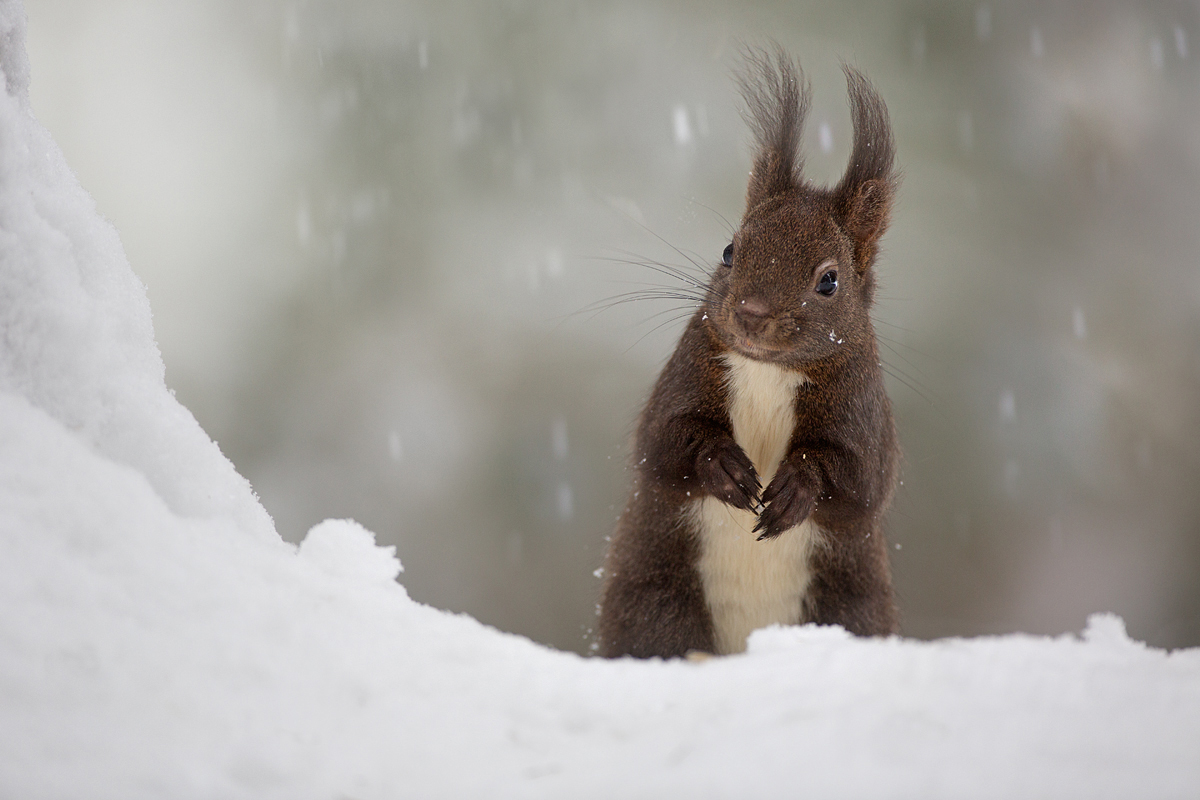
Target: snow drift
[(158, 639)]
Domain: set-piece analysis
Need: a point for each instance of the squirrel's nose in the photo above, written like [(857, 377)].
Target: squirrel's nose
[(752, 313)]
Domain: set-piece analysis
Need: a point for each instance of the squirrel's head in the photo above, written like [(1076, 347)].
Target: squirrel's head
[(796, 284)]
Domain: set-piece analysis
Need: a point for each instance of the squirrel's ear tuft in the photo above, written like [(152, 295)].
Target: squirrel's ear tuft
[(864, 196), (776, 97)]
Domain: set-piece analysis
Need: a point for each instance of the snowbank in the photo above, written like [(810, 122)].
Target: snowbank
[(158, 639)]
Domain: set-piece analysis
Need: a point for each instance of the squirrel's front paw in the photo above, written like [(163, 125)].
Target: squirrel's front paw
[(726, 472), (789, 500)]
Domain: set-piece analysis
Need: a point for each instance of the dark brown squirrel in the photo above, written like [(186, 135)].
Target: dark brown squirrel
[(776, 379)]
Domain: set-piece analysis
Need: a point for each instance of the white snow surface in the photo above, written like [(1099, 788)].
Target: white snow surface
[(159, 640)]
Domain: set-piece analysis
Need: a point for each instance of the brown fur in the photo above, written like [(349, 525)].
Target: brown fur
[(841, 463)]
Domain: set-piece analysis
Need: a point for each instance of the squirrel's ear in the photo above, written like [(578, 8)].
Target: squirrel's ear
[(866, 218), (776, 97), (864, 195)]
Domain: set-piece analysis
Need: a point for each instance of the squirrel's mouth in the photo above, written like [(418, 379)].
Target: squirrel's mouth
[(762, 345), (757, 350)]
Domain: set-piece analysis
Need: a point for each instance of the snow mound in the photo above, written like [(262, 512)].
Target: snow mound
[(158, 639), (345, 549), (78, 342)]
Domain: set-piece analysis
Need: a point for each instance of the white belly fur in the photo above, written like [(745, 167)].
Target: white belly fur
[(750, 584)]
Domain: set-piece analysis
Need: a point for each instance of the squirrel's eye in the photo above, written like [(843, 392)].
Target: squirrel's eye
[(828, 283), (727, 256)]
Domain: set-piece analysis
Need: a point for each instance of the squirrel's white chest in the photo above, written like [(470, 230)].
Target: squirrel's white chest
[(750, 584)]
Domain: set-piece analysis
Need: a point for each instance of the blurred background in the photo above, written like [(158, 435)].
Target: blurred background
[(379, 238)]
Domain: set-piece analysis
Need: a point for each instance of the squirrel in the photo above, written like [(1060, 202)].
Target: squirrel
[(776, 381)]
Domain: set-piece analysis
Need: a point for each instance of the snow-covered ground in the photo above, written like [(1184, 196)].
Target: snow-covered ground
[(158, 639)]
